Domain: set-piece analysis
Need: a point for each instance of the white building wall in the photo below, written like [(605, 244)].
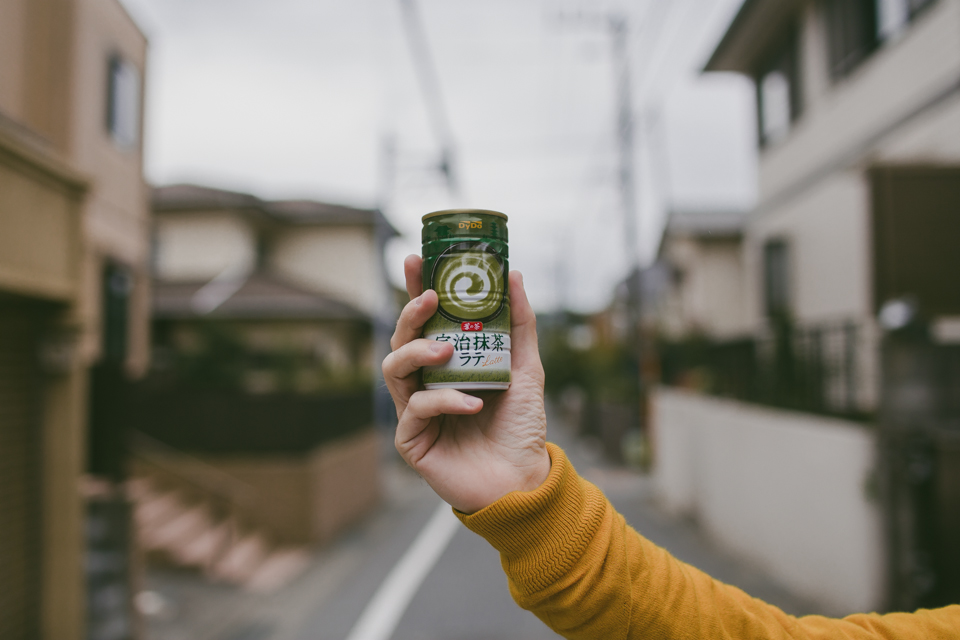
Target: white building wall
[(339, 261), (902, 75), (934, 138), (200, 246), (827, 229), (789, 491), (814, 189)]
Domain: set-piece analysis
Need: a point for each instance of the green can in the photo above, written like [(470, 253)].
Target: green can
[(465, 260)]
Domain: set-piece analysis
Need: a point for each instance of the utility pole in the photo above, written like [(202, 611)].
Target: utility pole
[(619, 35), (619, 30)]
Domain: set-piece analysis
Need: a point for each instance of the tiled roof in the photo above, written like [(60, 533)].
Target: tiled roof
[(705, 223), (190, 197), (260, 296)]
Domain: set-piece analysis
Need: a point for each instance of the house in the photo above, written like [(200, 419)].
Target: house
[(297, 265), (74, 289), (702, 252), (858, 105), (849, 309), (269, 321)]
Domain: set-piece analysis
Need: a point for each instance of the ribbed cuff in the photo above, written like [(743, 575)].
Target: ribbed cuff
[(541, 534)]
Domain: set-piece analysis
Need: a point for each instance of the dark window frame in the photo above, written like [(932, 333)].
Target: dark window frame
[(853, 31), (777, 289)]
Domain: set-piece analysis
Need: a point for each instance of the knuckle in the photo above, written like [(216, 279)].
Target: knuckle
[(388, 363)]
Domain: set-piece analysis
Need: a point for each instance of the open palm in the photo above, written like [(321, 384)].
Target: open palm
[(471, 449)]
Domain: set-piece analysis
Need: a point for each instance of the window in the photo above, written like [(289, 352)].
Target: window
[(775, 105), (852, 32), (894, 15), (123, 103), (117, 288), (776, 278), (778, 90), (855, 28)]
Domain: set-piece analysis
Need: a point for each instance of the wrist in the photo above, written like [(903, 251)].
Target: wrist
[(523, 479), (535, 475)]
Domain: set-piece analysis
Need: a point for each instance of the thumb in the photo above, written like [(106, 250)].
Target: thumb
[(523, 328)]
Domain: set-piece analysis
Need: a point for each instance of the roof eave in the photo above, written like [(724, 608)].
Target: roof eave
[(750, 33)]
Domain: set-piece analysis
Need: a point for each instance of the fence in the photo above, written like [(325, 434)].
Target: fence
[(825, 369), (225, 421), (919, 421)]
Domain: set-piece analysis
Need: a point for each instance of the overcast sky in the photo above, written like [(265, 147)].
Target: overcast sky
[(295, 98)]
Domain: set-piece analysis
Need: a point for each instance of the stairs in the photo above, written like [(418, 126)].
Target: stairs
[(202, 528)]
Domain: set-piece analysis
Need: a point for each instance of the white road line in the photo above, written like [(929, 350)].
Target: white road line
[(382, 614)]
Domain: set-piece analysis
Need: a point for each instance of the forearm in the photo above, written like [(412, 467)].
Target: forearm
[(573, 561)]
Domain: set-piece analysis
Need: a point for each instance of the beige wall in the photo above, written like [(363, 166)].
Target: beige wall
[(195, 246), (40, 199), (339, 261), (36, 44), (117, 213), (116, 216), (67, 202), (40, 257), (13, 34)]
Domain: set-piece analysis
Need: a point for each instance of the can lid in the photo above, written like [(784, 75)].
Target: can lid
[(465, 212)]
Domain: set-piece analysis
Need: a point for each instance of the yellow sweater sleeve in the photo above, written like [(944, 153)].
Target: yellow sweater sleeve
[(571, 559)]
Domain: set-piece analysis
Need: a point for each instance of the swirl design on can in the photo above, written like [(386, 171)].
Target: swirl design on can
[(469, 280)]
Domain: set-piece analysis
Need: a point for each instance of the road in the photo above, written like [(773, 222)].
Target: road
[(463, 596)]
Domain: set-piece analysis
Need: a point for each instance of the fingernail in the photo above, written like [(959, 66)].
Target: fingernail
[(437, 347), (472, 403), (419, 299)]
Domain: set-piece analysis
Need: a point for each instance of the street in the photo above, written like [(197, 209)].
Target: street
[(464, 596)]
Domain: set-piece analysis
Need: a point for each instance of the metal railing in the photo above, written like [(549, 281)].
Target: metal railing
[(824, 368)]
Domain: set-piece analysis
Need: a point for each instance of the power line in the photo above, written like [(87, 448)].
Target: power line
[(430, 86)]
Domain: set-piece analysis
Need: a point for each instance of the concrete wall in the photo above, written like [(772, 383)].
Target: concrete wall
[(294, 498), (789, 491), (345, 483)]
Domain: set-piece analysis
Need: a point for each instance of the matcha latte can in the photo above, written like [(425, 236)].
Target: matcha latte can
[(465, 261)]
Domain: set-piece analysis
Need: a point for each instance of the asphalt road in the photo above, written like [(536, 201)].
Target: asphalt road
[(463, 597)]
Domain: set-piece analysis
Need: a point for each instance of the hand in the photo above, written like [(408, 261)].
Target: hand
[(471, 449)]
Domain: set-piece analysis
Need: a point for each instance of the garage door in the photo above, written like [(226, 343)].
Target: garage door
[(19, 470)]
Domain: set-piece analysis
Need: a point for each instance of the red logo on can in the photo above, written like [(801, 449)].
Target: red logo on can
[(471, 326)]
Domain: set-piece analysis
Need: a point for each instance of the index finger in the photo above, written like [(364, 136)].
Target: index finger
[(412, 318), (412, 266)]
